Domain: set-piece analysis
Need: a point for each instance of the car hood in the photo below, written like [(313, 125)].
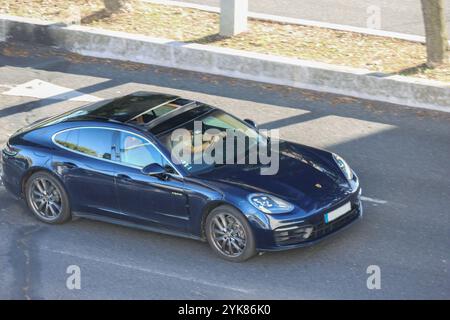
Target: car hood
[(306, 177)]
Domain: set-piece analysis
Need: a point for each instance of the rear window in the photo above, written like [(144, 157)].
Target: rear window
[(93, 142)]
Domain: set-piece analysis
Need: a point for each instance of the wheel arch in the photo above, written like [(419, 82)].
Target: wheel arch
[(26, 176), (65, 211), (209, 208)]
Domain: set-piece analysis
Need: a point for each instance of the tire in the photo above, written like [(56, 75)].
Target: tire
[(47, 198), (225, 241)]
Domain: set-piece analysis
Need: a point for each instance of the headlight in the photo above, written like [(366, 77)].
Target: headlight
[(343, 166), (269, 204)]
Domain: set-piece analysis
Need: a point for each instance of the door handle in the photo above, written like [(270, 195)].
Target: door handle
[(124, 178), (67, 165), (70, 165)]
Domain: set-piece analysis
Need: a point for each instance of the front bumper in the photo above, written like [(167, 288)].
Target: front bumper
[(309, 231)]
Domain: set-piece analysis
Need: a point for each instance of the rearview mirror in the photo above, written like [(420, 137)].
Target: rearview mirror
[(251, 122), (154, 169)]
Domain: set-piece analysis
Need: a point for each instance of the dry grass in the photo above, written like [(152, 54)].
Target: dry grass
[(378, 54)]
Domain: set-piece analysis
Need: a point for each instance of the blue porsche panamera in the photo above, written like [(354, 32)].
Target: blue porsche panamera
[(114, 161)]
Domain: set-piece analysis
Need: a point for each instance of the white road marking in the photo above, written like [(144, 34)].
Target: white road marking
[(45, 90), (378, 201), (155, 272)]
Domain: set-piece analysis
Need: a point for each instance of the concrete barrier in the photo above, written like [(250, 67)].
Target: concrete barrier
[(359, 83)]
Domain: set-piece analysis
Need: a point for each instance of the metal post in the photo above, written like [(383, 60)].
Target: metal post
[(233, 17)]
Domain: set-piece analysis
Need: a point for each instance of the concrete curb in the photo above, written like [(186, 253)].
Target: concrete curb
[(302, 22), (231, 63)]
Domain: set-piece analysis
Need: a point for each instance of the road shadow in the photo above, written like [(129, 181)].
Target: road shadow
[(318, 104)]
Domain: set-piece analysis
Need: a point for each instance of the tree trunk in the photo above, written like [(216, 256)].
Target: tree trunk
[(118, 5), (436, 31)]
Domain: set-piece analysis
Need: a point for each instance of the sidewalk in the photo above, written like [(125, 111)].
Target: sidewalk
[(303, 22), (402, 16), (374, 53)]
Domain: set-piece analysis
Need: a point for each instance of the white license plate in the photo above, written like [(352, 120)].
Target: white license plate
[(333, 215)]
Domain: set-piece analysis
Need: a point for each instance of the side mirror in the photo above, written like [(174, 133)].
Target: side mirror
[(155, 170), (251, 122)]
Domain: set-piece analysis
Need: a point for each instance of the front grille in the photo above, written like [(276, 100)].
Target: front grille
[(323, 228), (295, 234)]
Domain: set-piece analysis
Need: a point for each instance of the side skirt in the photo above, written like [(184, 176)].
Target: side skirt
[(128, 224)]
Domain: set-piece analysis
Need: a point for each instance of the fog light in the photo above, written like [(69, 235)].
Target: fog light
[(304, 232), (307, 232)]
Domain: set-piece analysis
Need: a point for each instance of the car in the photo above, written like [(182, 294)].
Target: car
[(114, 161)]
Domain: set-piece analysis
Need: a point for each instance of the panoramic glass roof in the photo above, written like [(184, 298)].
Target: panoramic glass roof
[(129, 107)]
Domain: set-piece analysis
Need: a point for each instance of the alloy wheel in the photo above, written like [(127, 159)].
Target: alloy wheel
[(228, 235), (46, 199)]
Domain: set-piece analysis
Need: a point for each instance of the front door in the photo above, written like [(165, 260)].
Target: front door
[(151, 200)]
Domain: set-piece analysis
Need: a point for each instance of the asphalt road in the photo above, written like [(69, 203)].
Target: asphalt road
[(401, 155), (403, 16)]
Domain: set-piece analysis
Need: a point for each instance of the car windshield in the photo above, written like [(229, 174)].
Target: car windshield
[(221, 136)]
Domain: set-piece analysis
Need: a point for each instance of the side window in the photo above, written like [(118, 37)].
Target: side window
[(137, 151), (93, 142), (68, 139)]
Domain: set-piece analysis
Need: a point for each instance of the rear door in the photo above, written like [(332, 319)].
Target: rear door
[(88, 169)]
